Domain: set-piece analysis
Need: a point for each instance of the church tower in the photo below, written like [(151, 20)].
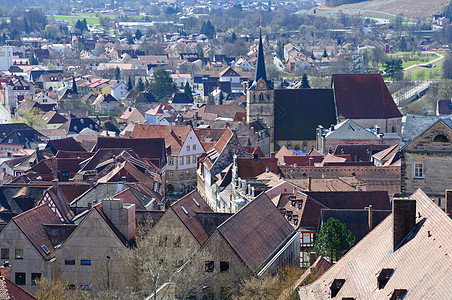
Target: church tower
[(260, 96)]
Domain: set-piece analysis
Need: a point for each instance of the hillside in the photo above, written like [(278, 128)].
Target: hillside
[(407, 8)]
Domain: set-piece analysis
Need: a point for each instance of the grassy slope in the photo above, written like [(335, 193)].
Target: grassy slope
[(408, 8)]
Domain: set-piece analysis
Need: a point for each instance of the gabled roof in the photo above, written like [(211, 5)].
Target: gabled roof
[(416, 125), (250, 167), (359, 152), (229, 72), (31, 224), (421, 265), (174, 135), (78, 124), (61, 202), (130, 172), (11, 291), (53, 117), (181, 98), (363, 96), (20, 198), (134, 196), (187, 208), (147, 148), (67, 144), (101, 99), (349, 130), (129, 112), (23, 137), (256, 231), (298, 113)]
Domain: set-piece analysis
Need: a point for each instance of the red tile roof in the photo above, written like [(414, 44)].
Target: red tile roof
[(11, 291), (249, 167), (30, 223), (256, 231), (186, 208), (301, 160), (363, 96)]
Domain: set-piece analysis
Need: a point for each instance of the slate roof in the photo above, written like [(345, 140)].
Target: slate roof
[(7, 128), (349, 130), (298, 112), (190, 219), (363, 96), (23, 137), (30, 223), (11, 291), (181, 98), (415, 125), (256, 231), (421, 265), (75, 125), (67, 144), (146, 97)]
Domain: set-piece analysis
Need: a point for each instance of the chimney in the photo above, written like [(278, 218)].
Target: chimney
[(5, 270), (448, 205), (369, 217), (404, 219), (309, 183), (311, 161), (332, 127), (121, 215), (272, 155)]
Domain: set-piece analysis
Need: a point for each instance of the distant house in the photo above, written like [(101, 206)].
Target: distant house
[(132, 116), (181, 80), (154, 115), (74, 125), (106, 104), (119, 90), (15, 91), (180, 101), (53, 120)]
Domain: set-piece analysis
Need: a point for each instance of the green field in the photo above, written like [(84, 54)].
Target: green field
[(73, 19)]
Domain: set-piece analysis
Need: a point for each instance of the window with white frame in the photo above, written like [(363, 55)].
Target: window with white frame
[(193, 159), (171, 162), (418, 170), (188, 160), (188, 147), (308, 239), (194, 146), (182, 161)]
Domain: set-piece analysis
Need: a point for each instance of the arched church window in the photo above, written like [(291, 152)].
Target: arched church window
[(441, 138), (393, 129), (268, 96), (261, 97)]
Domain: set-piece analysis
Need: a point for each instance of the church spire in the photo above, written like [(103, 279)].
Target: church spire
[(260, 69)]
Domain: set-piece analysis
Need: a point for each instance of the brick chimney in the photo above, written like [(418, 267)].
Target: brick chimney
[(448, 205), (369, 217), (404, 218)]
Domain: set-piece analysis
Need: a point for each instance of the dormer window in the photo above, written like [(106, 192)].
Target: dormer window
[(336, 287), (383, 277), (398, 294)]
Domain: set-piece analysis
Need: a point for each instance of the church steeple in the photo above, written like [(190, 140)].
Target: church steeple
[(260, 69)]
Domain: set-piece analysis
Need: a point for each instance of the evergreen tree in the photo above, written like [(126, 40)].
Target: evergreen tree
[(74, 85), (210, 100), (129, 84), (394, 69), (233, 37), (140, 85), (138, 34), (305, 82), (187, 90), (333, 240), (162, 85), (118, 73), (220, 98), (208, 29)]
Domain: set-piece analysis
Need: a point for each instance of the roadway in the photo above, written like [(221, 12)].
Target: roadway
[(5, 116)]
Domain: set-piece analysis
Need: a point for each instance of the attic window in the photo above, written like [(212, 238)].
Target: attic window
[(383, 277), (10, 141), (398, 294), (185, 211), (46, 250), (441, 138), (196, 202), (336, 287)]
